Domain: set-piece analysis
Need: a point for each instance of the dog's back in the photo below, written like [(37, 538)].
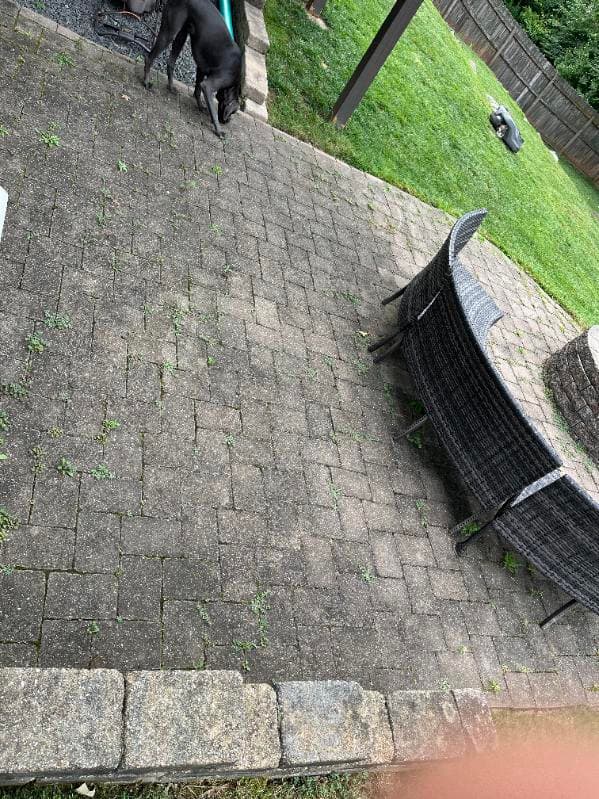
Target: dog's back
[(217, 56), (211, 41)]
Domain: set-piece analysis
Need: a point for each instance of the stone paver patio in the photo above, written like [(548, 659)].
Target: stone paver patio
[(255, 505)]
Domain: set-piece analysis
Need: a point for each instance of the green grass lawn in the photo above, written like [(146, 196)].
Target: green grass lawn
[(423, 125), (332, 786)]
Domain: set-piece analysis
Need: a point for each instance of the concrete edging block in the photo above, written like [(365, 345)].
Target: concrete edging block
[(199, 721), (257, 33), (256, 83), (332, 721), (476, 719), (255, 44), (426, 726), (66, 724), (60, 721), (255, 110)]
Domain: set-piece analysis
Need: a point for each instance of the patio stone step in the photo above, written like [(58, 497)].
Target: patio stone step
[(72, 724)]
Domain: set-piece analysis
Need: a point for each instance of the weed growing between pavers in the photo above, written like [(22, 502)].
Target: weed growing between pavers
[(8, 522), (177, 317), (349, 296), (415, 439), (259, 607), (57, 321), (38, 455), (102, 472), (49, 137), (188, 185), (470, 528), (35, 343), (362, 368), (422, 509), (108, 425), (203, 613), (336, 494), (367, 575), (243, 648), (65, 468), (64, 59), (511, 563)]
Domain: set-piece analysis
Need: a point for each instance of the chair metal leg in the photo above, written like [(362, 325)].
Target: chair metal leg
[(556, 614), (499, 510), (461, 545), (395, 346), (395, 296), (382, 341), (457, 529), (415, 426)]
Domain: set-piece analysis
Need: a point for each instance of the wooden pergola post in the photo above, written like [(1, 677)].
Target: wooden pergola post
[(380, 48)]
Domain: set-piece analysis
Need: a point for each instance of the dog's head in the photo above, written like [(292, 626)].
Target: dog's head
[(228, 103)]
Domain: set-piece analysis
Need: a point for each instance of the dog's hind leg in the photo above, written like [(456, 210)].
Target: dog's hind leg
[(178, 45), (173, 19), (197, 93)]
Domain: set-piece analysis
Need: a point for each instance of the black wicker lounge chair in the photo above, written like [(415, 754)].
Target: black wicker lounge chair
[(444, 320), (556, 528), (445, 316), (417, 295)]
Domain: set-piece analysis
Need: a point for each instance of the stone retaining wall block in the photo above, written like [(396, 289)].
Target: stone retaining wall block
[(181, 719), (332, 721), (426, 725), (476, 719), (60, 721), (257, 34)]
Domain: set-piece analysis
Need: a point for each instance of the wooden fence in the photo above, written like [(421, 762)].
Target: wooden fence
[(564, 119)]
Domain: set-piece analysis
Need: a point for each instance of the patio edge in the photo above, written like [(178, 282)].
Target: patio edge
[(184, 725)]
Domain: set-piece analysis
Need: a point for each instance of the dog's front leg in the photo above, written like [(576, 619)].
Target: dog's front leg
[(208, 92)]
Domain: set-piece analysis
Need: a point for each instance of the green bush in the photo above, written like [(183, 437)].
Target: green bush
[(568, 34)]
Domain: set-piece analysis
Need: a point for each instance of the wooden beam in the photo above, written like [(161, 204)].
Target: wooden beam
[(315, 7), (383, 43)]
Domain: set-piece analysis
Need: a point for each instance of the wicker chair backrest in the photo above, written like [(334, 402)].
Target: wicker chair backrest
[(421, 291), (557, 530), (496, 449), (481, 311)]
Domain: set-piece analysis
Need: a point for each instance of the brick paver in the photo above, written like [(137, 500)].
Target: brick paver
[(235, 492)]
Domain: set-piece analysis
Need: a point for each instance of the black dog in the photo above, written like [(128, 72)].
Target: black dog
[(217, 56)]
